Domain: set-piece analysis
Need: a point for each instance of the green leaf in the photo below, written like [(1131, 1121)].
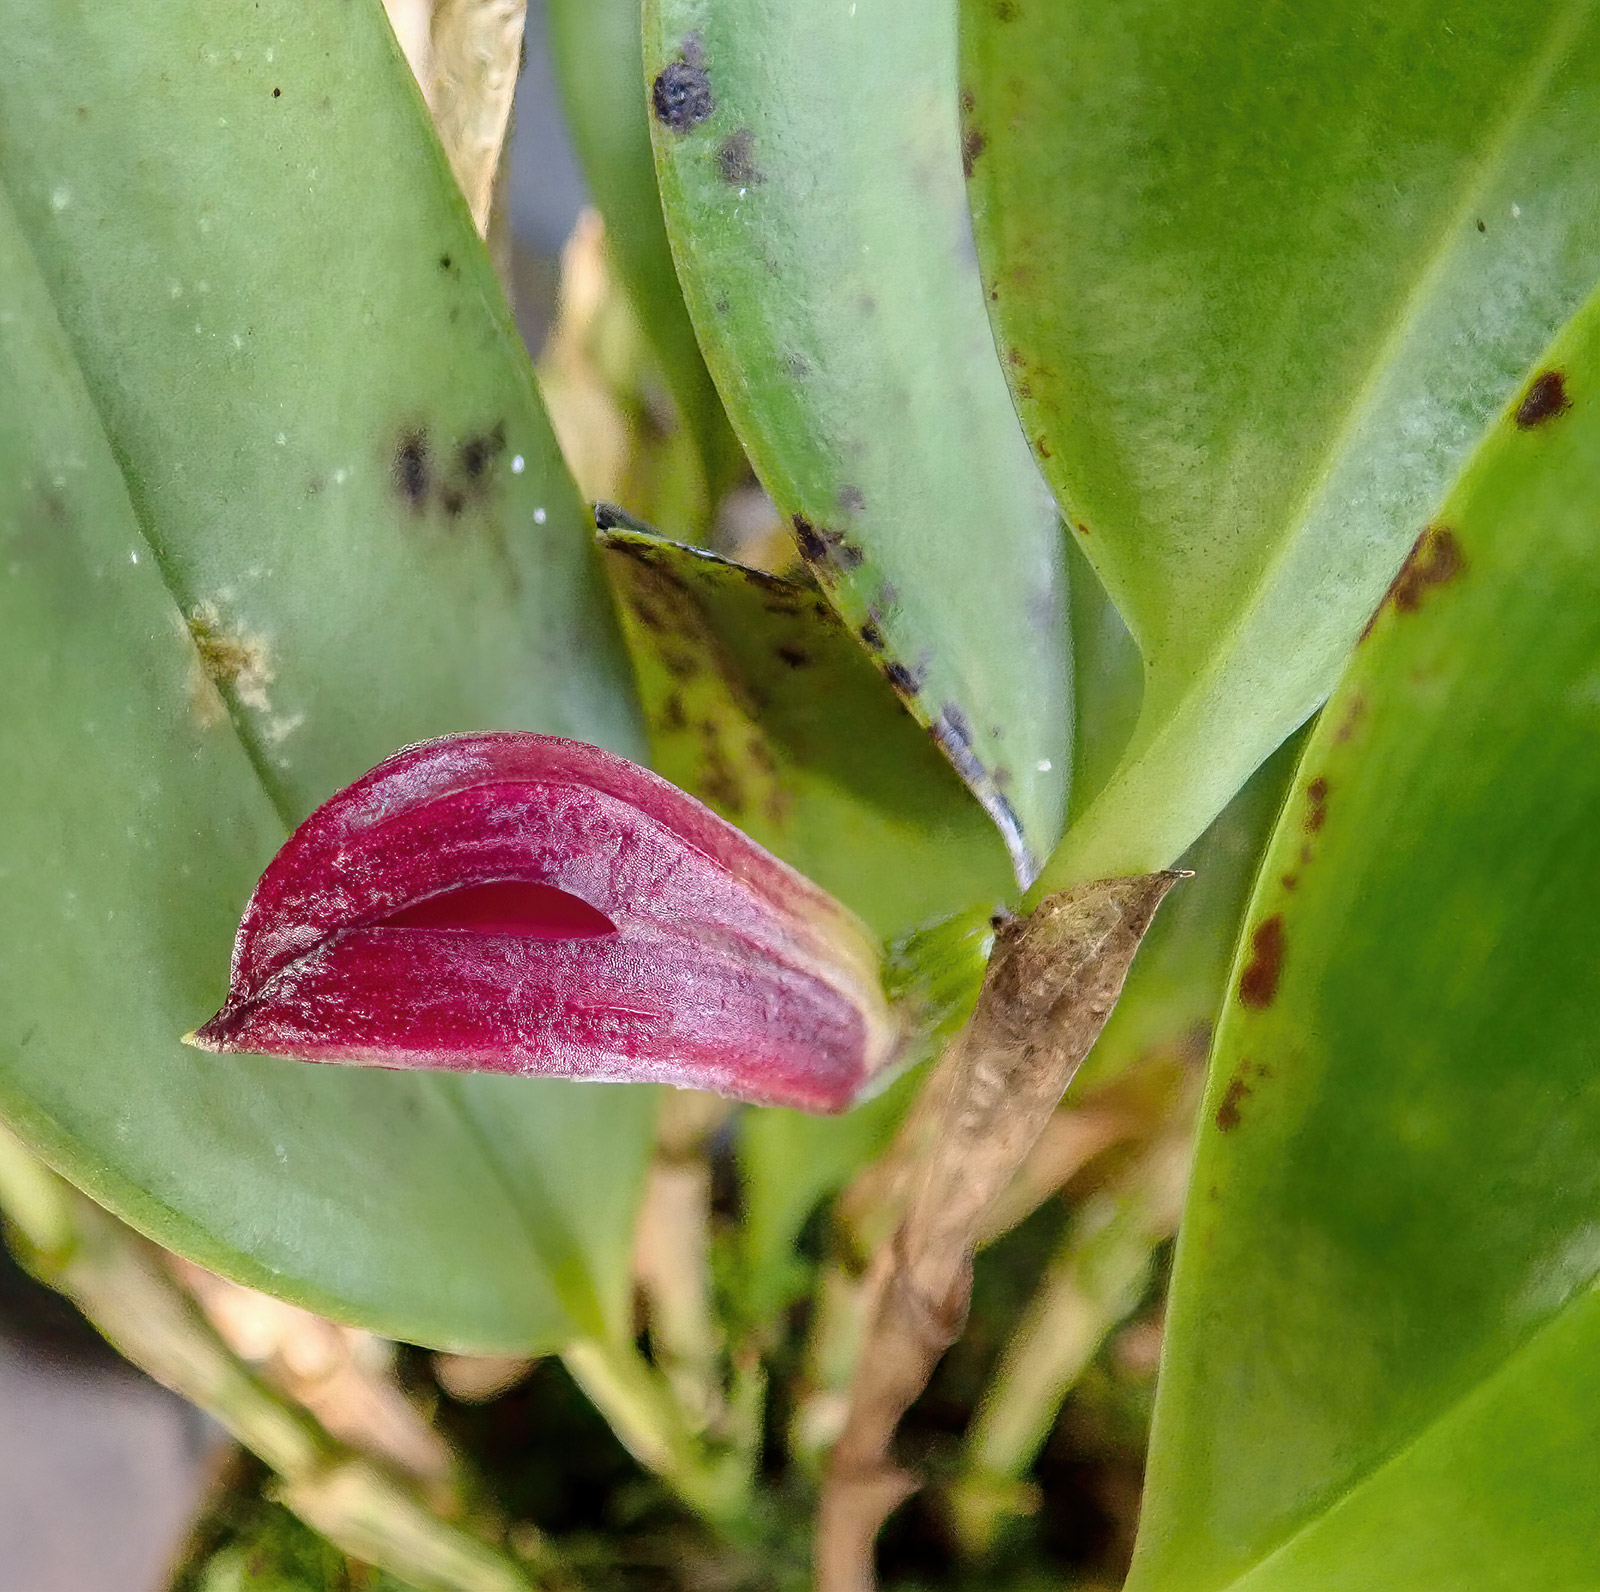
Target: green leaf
[(1380, 1364), (1261, 277), (810, 174), (1174, 990), (595, 47), (760, 703), (266, 426)]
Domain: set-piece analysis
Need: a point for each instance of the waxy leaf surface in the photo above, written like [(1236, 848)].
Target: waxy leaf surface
[(276, 496), (761, 703), (527, 905), (1260, 278), (810, 169), (1382, 1349)]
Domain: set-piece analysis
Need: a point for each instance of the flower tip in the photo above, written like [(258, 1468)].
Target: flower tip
[(517, 903)]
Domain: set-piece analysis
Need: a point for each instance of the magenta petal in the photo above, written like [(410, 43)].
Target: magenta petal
[(523, 904)]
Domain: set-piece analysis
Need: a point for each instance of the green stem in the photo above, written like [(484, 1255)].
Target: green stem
[(672, 1264), (1093, 1283), (119, 1282), (640, 1408)]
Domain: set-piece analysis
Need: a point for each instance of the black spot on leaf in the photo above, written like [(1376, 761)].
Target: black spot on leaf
[(906, 681), (411, 475), (826, 551), (736, 160), (681, 96), (478, 453)]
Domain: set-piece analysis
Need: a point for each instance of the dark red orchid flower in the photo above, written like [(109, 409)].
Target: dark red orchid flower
[(523, 904)]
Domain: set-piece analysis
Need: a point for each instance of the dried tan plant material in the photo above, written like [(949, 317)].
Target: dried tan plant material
[(1052, 982)]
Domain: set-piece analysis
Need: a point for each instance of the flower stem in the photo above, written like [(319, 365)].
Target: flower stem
[(1096, 1278), (639, 1405)]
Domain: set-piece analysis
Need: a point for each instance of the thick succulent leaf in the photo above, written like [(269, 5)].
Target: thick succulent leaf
[(1379, 1365), (1169, 1005), (1261, 278), (810, 173), (310, 376), (1174, 990), (761, 703), (196, 267), (595, 47)]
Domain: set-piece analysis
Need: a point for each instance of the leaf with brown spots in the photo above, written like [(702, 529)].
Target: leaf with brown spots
[(760, 702), (251, 379), (1228, 1114), (595, 51), (1244, 372), (1383, 1333), (1544, 400), (887, 439)]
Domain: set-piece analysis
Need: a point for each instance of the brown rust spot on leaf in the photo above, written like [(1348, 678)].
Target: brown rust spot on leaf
[(1544, 400), (1316, 805), (673, 717), (1238, 1091), (719, 781), (1351, 720), (1435, 559), (1258, 984), (973, 144), (680, 662)]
